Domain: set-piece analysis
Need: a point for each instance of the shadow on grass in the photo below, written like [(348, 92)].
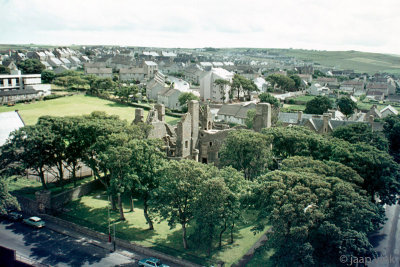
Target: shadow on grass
[(92, 212)]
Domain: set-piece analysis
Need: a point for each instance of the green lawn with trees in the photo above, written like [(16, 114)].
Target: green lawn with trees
[(74, 105)]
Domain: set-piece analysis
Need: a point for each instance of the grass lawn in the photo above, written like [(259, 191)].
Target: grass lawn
[(261, 258), (28, 187), (162, 238), (289, 107), (304, 98), (74, 106)]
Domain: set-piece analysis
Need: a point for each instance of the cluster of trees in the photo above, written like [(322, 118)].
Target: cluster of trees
[(31, 66), (319, 193), (283, 82), (321, 104), (239, 85), (184, 99)]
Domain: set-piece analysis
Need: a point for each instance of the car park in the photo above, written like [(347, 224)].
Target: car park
[(151, 262), (34, 222)]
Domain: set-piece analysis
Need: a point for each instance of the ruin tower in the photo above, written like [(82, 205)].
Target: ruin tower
[(194, 109), (184, 136), (206, 118), (263, 117), (160, 108), (139, 115)]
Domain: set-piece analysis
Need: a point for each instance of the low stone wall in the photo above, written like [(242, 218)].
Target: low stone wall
[(57, 201), (28, 205), (119, 243)]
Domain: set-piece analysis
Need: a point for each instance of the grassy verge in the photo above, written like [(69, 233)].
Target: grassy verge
[(74, 106), (28, 187), (93, 208)]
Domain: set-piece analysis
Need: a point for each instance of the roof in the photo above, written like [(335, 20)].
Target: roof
[(168, 54), (391, 109), (9, 121), (223, 73), (99, 70), (55, 61), (291, 118), (150, 63), (34, 218), (151, 53), (18, 92), (236, 110), (169, 92)]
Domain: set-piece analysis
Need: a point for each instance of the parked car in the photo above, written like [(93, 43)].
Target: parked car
[(34, 222), (151, 262), (14, 216)]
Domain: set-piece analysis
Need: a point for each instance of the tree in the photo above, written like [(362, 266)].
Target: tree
[(48, 76), (376, 167), (391, 128), (297, 80), (246, 151), (4, 70), (251, 113), (175, 200), (281, 81), (7, 201), (31, 66), (222, 85), (315, 216), (361, 132), (346, 105), (184, 99), (318, 105), (268, 98), (125, 92), (241, 84), (146, 161)]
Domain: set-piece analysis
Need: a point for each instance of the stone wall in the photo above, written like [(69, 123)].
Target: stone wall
[(57, 201), (119, 242)]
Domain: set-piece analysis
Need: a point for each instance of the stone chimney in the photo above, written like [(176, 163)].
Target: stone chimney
[(138, 115), (160, 111), (299, 116), (263, 117), (371, 119), (326, 117)]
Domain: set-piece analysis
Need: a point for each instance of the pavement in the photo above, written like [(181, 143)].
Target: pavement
[(56, 246), (387, 242)]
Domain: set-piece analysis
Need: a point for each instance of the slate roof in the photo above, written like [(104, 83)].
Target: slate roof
[(99, 70), (236, 110), (9, 121)]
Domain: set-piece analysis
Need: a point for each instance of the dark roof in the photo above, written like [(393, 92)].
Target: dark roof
[(19, 92)]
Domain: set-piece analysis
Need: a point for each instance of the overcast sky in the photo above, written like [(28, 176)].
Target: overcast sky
[(365, 25)]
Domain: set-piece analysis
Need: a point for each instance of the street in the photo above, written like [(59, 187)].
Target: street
[(55, 249), (386, 242)]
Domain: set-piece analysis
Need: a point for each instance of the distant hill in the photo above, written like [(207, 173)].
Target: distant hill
[(355, 60)]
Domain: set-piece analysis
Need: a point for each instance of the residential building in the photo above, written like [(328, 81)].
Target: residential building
[(100, 72), (235, 113), (388, 110), (212, 92)]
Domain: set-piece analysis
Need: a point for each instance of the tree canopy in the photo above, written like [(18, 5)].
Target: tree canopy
[(31, 66), (318, 105), (346, 105), (268, 98)]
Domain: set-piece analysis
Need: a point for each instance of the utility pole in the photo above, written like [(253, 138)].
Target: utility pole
[(109, 228)]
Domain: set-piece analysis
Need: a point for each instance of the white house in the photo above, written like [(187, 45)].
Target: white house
[(317, 89), (235, 113), (212, 92)]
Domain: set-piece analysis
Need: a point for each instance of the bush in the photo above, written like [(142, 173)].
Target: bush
[(50, 97)]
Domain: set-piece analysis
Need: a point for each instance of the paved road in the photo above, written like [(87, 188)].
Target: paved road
[(55, 249), (387, 241)]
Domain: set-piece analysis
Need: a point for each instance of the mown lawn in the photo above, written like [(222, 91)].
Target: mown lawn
[(74, 106), (93, 209), (28, 187)]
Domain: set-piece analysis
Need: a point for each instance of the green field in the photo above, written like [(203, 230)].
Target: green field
[(93, 208), (73, 106), (355, 60)]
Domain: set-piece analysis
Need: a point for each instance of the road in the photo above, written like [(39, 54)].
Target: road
[(387, 241), (55, 249)]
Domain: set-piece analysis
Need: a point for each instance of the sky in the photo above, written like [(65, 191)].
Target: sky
[(363, 25)]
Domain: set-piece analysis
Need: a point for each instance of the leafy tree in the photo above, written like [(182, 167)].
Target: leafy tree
[(7, 201), (48, 76), (246, 151), (184, 99), (146, 161), (222, 84), (175, 200), (103, 84), (315, 217), (346, 105), (268, 98), (297, 80), (318, 105), (391, 129), (241, 84), (125, 91), (251, 113), (361, 132), (31, 66), (4, 70), (281, 81), (377, 168)]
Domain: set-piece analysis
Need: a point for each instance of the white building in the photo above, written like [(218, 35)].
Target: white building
[(212, 92), (317, 89), (388, 110)]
